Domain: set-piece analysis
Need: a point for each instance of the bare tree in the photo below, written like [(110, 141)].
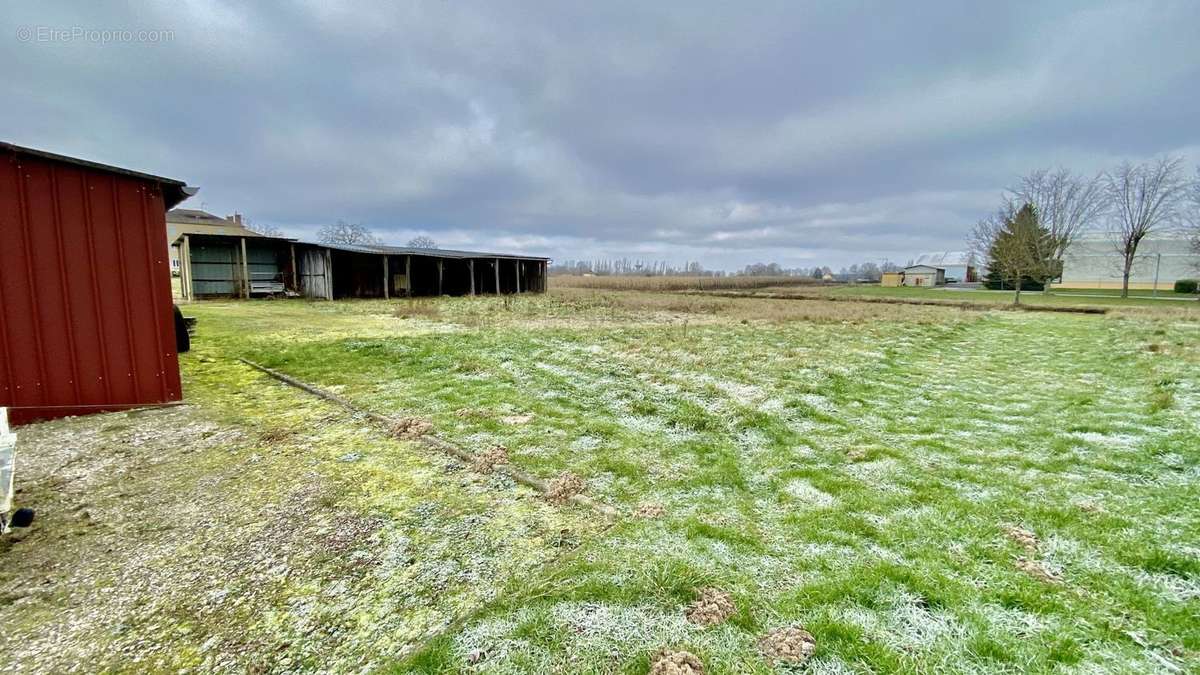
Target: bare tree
[(422, 241), (342, 232), (1067, 204), (263, 229), (1193, 218), (983, 235), (1146, 198)]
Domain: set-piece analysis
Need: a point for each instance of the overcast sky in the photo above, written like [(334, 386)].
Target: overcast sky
[(802, 133)]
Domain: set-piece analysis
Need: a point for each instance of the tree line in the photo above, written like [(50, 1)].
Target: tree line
[(1025, 241)]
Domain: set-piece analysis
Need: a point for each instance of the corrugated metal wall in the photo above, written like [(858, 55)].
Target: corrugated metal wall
[(85, 291)]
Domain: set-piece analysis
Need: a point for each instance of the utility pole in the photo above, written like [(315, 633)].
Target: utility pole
[(1157, 264)]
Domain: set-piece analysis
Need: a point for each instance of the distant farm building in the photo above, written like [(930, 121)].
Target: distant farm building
[(251, 265), (958, 266), (924, 275), (195, 221), (891, 279), (86, 319), (1093, 262)]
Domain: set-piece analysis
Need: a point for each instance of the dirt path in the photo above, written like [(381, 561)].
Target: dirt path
[(256, 529)]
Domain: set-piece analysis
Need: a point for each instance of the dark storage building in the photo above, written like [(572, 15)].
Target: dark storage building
[(86, 321), (244, 266)]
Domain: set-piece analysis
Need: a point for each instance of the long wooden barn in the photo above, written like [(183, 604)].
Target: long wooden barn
[(213, 266)]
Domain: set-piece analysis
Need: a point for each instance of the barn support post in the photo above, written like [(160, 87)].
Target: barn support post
[(517, 270), (185, 269), (471, 265), (497, 271), (408, 275), (245, 270), (387, 282), (295, 272), (440, 276), (328, 274)]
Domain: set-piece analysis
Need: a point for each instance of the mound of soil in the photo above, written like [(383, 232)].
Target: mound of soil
[(649, 510), (1037, 570), (411, 427), (1022, 537), (792, 644), (676, 663), (856, 454), (517, 419), (564, 487), (713, 606), (487, 460)]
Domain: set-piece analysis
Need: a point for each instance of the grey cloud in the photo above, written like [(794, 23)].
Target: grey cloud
[(801, 132)]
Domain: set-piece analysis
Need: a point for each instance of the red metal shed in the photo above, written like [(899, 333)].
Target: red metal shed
[(86, 320)]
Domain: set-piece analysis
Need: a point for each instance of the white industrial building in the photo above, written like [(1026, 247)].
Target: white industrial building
[(1093, 262)]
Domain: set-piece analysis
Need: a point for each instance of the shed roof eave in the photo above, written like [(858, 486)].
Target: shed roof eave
[(381, 249), (174, 191)]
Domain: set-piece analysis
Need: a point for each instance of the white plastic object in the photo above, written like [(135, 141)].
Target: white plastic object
[(8, 451)]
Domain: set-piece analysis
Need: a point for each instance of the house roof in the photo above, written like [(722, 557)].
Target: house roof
[(925, 267), (174, 191), (195, 216)]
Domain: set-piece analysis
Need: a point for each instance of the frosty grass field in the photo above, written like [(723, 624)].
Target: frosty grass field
[(922, 489)]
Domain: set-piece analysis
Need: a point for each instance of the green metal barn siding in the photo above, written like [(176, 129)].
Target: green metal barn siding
[(262, 261), (214, 269)]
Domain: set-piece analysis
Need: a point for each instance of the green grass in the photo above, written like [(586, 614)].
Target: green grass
[(1056, 297), (1165, 291), (851, 468), (856, 479)]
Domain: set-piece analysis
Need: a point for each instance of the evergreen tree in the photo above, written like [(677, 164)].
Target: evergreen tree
[(1020, 252)]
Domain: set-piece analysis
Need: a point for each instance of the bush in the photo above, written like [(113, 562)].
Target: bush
[(994, 283), (1187, 285)]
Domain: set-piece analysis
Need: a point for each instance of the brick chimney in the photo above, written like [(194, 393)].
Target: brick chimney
[(236, 217)]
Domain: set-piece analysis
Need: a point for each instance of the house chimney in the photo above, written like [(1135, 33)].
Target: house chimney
[(236, 217)]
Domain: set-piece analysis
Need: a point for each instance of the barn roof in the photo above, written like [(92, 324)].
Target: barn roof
[(945, 258), (377, 249), (383, 249)]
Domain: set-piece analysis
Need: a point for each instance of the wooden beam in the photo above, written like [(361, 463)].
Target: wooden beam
[(245, 270), (387, 282), (518, 274), (497, 270), (408, 275), (471, 264), (295, 271), (185, 269), (439, 276), (328, 274)]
